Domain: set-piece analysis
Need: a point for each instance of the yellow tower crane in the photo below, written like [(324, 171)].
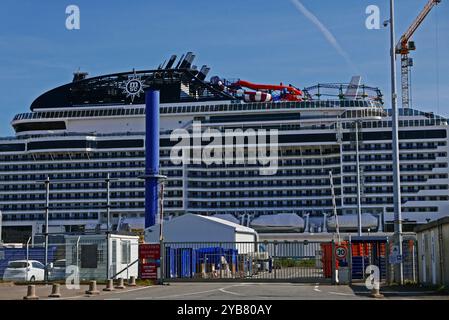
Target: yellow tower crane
[(404, 47)]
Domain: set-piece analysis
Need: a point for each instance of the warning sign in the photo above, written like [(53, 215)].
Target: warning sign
[(395, 257), (149, 260), (341, 252)]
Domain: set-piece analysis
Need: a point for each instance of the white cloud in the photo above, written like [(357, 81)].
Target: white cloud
[(330, 38)]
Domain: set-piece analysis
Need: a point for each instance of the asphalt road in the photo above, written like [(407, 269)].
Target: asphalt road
[(259, 291), (228, 291)]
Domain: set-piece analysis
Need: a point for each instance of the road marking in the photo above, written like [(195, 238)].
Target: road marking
[(131, 290), (316, 289), (341, 293), (179, 295), (190, 293), (234, 293)]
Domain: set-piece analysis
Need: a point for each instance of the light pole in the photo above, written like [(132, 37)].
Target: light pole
[(108, 202), (47, 203), (395, 149), (108, 230), (359, 203), (161, 230), (1, 226)]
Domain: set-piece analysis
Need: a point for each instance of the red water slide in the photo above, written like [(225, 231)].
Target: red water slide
[(256, 86)]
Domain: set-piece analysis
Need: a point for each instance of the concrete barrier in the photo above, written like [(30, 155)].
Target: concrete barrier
[(93, 288), (55, 291), (375, 292), (31, 293), (132, 281), (109, 286), (120, 284)]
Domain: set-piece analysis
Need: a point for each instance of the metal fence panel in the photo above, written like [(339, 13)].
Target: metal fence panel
[(79, 257), (245, 261), (409, 261)]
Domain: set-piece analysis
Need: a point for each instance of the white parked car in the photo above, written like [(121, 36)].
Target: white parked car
[(24, 270)]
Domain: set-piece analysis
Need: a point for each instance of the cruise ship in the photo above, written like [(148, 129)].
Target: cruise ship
[(80, 132)]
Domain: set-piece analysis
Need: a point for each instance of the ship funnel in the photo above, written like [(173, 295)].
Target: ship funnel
[(161, 66), (179, 62), (187, 62), (171, 61), (203, 72), (190, 61), (353, 88)]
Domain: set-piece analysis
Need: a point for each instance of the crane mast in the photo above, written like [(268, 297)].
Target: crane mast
[(404, 47)]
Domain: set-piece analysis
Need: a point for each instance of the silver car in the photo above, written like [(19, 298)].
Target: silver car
[(57, 270)]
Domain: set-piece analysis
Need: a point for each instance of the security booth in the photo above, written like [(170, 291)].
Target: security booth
[(102, 256), (347, 260), (367, 251)]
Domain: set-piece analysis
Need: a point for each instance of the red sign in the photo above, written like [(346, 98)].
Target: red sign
[(149, 260), (341, 252)]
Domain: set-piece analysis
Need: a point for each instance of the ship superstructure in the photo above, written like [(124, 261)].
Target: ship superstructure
[(78, 133)]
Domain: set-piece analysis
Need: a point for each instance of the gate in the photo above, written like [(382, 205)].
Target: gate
[(247, 261)]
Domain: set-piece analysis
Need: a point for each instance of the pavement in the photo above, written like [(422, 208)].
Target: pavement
[(228, 291)]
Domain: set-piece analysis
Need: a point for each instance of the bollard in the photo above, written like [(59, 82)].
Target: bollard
[(375, 292), (120, 284), (55, 291), (93, 288), (31, 293), (109, 286), (132, 281)]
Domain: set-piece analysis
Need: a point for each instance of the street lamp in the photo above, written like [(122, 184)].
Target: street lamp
[(1, 226), (47, 203), (395, 149), (359, 203)]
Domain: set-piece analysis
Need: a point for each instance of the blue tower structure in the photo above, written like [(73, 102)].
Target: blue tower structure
[(151, 156)]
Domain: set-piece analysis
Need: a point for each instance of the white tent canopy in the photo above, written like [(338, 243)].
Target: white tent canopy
[(278, 221), (350, 221), (416, 217), (227, 217), (198, 228)]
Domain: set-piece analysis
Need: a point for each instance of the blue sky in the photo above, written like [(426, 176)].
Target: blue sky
[(256, 40)]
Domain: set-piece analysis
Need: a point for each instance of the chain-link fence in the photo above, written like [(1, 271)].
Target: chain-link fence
[(409, 261)]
